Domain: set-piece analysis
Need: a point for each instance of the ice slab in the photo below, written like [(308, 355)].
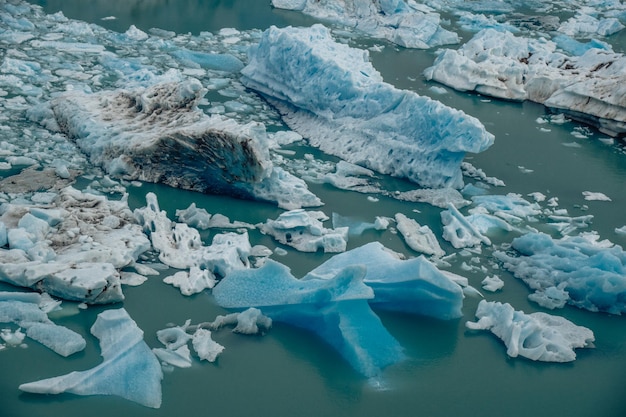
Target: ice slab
[(402, 22), (536, 336), (417, 237), (412, 286), (158, 134), (332, 95), (335, 309), (129, 370), (589, 87), (305, 231), (580, 270)]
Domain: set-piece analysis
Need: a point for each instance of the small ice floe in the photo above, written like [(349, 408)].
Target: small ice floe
[(595, 196)]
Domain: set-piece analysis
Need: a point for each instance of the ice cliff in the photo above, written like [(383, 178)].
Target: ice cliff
[(589, 87), (332, 95)]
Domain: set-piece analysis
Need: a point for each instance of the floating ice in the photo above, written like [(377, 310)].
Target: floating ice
[(492, 283), (536, 336), (72, 249), (332, 95), (304, 231), (206, 348), (180, 246), (336, 309), (192, 282), (584, 25), (412, 286), (587, 87), (129, 370), (158, 134), (417, 237), (459, 229), (202, 220), (402, 22), (595, 196), (27, 310), (579, 270), (250, 321)]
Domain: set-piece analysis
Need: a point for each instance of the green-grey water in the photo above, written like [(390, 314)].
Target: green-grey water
[(449, 370)]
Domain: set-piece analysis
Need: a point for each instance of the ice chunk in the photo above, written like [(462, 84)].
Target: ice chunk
[(459, 229), (304, 231), (492, 283), (417, 237), (247, 322), (335, 309), (580, 270), (412, 286), (588, 87), (192, 282), (536, 336), (332, 95), (129, 370), (595, 196), (205, 346), (402, 22), (158, 134)]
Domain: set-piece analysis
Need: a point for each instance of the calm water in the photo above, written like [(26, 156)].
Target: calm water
[(288, 372)]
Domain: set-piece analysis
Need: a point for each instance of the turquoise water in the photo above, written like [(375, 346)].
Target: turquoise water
[(449, 371)]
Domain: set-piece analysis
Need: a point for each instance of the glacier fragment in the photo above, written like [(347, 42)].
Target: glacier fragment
[(129, 370), (331, 94), (335, 309), (536, 336)]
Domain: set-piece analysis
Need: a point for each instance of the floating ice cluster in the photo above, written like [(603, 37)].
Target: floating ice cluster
[(331, 94)]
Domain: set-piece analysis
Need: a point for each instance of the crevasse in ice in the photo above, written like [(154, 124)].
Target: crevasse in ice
[(332, 95)]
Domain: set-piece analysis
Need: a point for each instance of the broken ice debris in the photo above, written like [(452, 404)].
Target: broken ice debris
[(129, 370)]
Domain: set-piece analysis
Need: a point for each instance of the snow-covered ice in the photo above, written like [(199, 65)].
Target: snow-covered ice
[(536, 336), (332, 95), (129, 370)]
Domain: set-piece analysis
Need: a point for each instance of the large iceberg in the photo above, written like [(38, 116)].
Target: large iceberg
[(578, 270), (412, 286), (590, 87), (335, 309), (536, 336), (129, 370), (72, 248), (405, 23), (158, 134), (332, 95)]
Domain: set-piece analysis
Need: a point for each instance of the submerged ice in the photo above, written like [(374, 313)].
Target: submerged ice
[(332, 95)]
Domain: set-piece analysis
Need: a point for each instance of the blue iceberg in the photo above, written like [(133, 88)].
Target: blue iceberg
[(335, 309), (412, 286), (578, 270), (332, 95), (129, 370)]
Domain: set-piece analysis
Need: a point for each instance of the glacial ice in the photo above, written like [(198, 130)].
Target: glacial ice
[(73, 248), (417, 237), (589, 88), (304, 231), (332, 95), (129, 370), (27, 310), (158, 134), (536, 336), (405, 23), (412, 286), (579, 270), (336, 309)]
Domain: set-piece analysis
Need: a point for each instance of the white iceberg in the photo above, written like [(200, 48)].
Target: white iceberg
[(536, 336), (405, 23), (332, 95), (129, 370), (589, 88), (417, 237)]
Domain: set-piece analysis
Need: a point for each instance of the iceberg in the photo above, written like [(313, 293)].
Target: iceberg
[(404, 23), (589, 88), (158, 134), (332, 95), (417, 237), (577, 270), (27, 310), (73, 248), (129, 370), (536, 336), (304, 231), (335, 309), (414, 285)]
